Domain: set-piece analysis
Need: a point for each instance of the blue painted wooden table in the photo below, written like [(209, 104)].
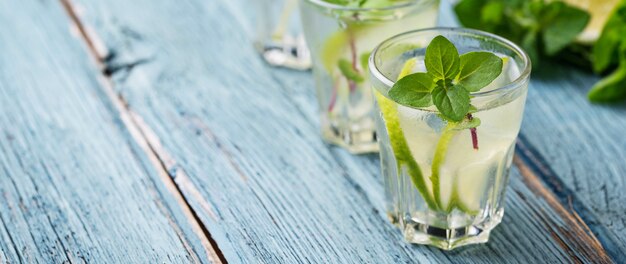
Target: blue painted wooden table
[(149, 131)]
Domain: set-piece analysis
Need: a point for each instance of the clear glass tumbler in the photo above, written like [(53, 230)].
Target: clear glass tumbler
[(459, 200), (341, 39), (279, 36)]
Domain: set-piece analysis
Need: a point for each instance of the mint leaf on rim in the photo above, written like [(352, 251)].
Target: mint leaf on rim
[(478, 69), (442, 59), (413, 90)]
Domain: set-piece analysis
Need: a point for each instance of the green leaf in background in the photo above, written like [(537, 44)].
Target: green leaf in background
[(492, 13), (467, 11), (610, 89), (563, 28), (529, 44), (541, 27), (605, 51), (413, 90), (349, 72), (613, 87), (453, 103), (478, 69), (611, 50), (442, 59)]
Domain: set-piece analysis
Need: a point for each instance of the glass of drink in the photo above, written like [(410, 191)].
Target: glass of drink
[(444, 184), (341, 38), (279, 36)]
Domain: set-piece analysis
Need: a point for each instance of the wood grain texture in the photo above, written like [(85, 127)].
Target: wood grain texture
[(75, 186), (241, 141)]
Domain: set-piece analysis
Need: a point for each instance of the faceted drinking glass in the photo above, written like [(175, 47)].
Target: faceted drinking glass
[(459, 200), (279, 36), (341, 39)]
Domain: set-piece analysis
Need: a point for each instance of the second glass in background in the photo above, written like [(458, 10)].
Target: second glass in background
[(341, 39)]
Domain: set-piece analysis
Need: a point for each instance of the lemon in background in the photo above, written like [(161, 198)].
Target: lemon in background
[(600, 10)]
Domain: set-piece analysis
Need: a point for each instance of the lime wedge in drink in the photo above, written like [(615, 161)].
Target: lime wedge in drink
[(399, 145)]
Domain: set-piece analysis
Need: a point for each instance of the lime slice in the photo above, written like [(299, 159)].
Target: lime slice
[(333, 48), (398, 141), (599, 11), (440, 155)]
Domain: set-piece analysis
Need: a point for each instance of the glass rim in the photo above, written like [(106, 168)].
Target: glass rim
[(518, 82), (322, 3)]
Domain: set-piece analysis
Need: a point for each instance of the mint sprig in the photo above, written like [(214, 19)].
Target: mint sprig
[(448, 81)]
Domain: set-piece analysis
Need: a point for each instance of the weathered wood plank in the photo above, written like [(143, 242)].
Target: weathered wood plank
[(75, 185), (241, 141)]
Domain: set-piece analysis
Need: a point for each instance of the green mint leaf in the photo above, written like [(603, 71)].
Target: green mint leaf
[(348, 71), (568, 22), (478, 69), (453, 103), (442, 59), (606, 48), (610, 89), (413, 90)]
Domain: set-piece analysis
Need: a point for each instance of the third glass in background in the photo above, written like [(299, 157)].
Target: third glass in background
[(459, 199), (341, 39), (279, 36)]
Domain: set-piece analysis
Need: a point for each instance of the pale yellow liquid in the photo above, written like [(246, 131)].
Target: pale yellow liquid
[(476, 177)]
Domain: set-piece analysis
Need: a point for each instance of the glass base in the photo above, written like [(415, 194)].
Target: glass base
[(294, 56), (355, 141), (451, 238)]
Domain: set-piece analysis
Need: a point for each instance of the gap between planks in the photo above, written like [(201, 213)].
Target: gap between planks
[(575, 227), (147, 141)]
